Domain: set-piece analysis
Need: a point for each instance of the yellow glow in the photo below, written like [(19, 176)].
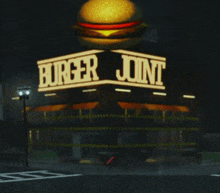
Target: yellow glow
[(189, 96), (106, 32), (50, 94), (122, 90), (85, 162), (63, 76), (89, 90), (160, 93), (15, 98), (62, 73), (107, 11), (142, 69), (26, 109), (101, 82), (30, 134), (151, 160)]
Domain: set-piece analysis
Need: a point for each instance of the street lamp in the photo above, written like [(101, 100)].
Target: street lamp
[(24, 93)]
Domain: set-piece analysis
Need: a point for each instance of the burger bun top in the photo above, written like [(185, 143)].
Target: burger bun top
[(108, 12)]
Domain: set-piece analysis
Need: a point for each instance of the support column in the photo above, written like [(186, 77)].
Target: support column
[(45, 116), (76, 138), (80, 113), (163, 114), (90, 115), (181, 136), (126, 114)]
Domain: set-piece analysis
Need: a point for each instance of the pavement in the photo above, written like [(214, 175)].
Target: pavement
[(160, 166)]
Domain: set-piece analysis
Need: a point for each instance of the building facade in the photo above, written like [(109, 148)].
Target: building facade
[(98, 118)]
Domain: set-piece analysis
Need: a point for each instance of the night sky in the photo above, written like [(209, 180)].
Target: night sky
[(185, 32)]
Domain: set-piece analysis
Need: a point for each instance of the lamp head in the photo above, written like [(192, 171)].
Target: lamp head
[(20, 93), (27, 92), (24, 91)]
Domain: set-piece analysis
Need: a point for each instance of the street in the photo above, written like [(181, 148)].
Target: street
[(31, 176), (31, 181)]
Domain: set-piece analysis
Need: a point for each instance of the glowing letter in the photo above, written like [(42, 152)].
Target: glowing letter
[(125, 69), (44, 74), (150, 72), (55, 75), (130, 58), (79, 69), (90, 69), (64, 72), (161, 65), (142, 76)]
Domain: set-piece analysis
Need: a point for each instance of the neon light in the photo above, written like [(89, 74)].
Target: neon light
[(122, 90), (109, 26), (109, 160), (136, 54), (147, 73), (189, 96), (142, 70), (101, 82), (89, 90), (160, 93), (50, 94), (15, 98), (62, 71)]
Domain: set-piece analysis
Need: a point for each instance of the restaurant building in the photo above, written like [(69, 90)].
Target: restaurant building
[(106, 115), (111, 98)]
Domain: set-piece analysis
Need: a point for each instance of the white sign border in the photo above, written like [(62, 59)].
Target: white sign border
[(100, 82)]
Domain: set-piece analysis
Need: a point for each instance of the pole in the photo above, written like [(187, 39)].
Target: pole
[(26, 131), (24, 106)]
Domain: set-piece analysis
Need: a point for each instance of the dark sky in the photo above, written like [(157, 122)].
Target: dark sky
[(186, 32)]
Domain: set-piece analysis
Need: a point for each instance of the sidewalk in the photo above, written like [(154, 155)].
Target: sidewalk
[(173, 165)]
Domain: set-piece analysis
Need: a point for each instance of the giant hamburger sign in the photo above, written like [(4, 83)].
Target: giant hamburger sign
[(107, 26)]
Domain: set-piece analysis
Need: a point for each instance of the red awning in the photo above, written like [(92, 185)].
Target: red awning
[(89, 105), (156, 107), (153, 107), (49, 108), (125, 105)]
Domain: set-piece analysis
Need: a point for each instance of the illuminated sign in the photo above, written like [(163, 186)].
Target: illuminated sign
[(109, 24), (142, 68), (83, 69)]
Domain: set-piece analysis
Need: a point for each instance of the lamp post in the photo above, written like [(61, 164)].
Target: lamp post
[(24, 93)]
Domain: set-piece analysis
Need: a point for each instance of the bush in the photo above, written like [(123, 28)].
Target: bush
[(45, 154)]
